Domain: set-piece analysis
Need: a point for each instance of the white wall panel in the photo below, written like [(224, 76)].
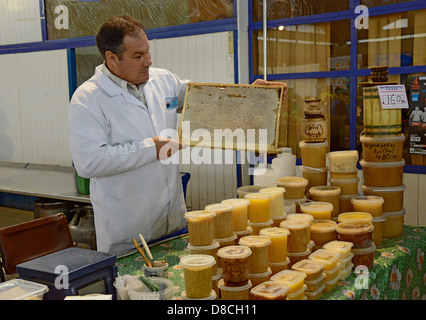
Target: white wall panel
[(411, 198), (19, 21), (34, 99), (201, 58)]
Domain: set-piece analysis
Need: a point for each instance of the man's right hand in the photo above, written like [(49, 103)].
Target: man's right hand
[(166, 147)]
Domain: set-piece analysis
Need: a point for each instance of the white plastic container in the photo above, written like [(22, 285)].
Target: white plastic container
[(18, 289)]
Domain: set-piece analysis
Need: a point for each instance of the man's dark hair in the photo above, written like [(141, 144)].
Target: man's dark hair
[(111, 35)]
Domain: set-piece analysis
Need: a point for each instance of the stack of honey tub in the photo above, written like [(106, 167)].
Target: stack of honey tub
[(383, 163), (314, 146)]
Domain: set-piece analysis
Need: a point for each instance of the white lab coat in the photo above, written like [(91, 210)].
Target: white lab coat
[(110, 134)]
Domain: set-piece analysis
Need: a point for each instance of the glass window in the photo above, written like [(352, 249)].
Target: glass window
[(396, 40), (334, 95), (304, 48), (72, 19), (281, 9)]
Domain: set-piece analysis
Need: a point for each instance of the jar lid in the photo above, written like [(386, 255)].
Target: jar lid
[(300, 216), (338, 245), (294, 224), (215, 244), (221, 286), (219, 208), (364, 163), (199, 214), (383, 189), (354, 227), (289, 276), (379, 219), (261, 224), (344, 181), (249, 189), (197, 261), (319, 226), (273, 190), (367, 199), (234, 252), (233, 237), (399, 138), (325, 190), (354, 216), (236, 202), (308, 266), (257, 196), (274, 232), (270, 289), (292, 182), (325, 256), (254, 241), (395, 213), (316, 206), (212, 296), (280, 263), (361, 251), (303, 144), (344, 153)]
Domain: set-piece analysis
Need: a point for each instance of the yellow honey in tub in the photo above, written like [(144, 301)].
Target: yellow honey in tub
[(198, 275), (370, 204), (258, 278), (259, 259), (298, 238), (278, 246), (313, 269), (294, 279), (234, 293), (394, 224), (256, 227), (343, 160), (355, 216), (330, 194), (239, 214), (294, 186), (270, 290), (342, 247), (323, 231), (383, 174), (200, 227), (347, 186), (393, 196), (314, 154), (328, 257), (259, 210), (303, 217), (210, 250), (319, 210), (223, 221), (277, 200), (279, 266), (299, 295), (345, 203), (379, 225)]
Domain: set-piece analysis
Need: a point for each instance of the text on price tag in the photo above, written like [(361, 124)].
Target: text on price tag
[(393, 97)]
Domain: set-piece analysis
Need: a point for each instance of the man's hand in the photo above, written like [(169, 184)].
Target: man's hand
[(261, 82), (166, 147)]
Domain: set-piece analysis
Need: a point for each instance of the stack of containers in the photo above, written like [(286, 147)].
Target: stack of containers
[(295, 189), (344, 174), (201, 225), (382, 145), (315, 276), (296, 282), (259, 211), (346, 255), (259, 270), (314, 146), (299, 239), (223, 222), (330, 194), (332, 267), (277, 212), (239, 216), (277, 250)]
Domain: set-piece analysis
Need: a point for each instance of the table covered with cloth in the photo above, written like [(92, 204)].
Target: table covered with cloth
[(398, 272)]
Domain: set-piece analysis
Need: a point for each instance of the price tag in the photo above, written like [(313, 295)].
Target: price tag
[(393, 97)]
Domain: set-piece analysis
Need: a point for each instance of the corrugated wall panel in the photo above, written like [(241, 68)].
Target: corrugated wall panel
[(19, 21)]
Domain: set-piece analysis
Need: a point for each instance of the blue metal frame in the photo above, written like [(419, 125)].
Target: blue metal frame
[(353, 72)]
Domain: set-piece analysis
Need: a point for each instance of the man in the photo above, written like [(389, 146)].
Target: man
[(116, 119)]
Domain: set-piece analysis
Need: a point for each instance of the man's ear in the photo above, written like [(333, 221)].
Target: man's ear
[(111, 59)]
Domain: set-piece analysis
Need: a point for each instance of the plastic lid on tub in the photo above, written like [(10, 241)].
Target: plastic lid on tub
[(319, 226), (294, 224), (301, 216), (303, 144), (344, 181), (325, 256), (199, 214), (354, 216), (325, 190), (379, 219), (18, 289), (361, 251), (292, 182), (234, 252), (353, 153), (197, 261), (399, 138), (395, 213), (215, 244), (249, 189), (354, 227), (270, 289), (274, 232), (316, 206), (338, 245), (257, 196), (212, 296), (273, 190), (367, 199), (221, 286), (382, 189), (289, 276), (364, 163), (254, 241), (219, 208), (308, 266), (236, 202)]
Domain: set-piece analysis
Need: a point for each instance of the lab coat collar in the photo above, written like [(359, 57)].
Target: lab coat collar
[(113, 90)]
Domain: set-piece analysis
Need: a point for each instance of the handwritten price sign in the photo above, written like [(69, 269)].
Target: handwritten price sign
[(393, 97)]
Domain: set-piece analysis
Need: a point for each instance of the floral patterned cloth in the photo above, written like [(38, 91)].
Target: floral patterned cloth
[(398, 272)]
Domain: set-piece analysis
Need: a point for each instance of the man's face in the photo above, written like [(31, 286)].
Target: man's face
[(135, 59)]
